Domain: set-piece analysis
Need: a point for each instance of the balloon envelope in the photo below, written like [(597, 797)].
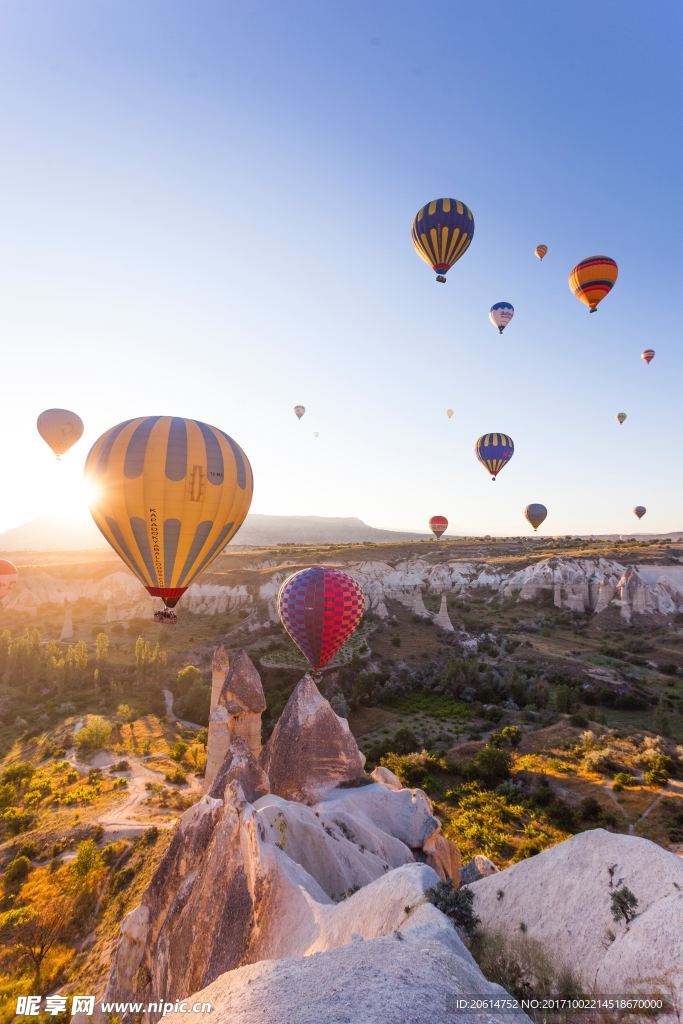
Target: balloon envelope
[(60, 429), (438, 525), (639, 511), (494, 451), (299, 410), (8, 576), (535, 514), (442, 232), (320, 608), (621, 416), (648, 355), (169, 493), (501, 314), (541, 251), (592, 279)]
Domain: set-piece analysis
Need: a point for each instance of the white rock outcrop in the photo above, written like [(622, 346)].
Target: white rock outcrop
[(563, 898), (578, 584), (412, 973)]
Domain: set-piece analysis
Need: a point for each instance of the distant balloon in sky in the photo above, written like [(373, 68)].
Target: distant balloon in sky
[(592, 279), (494, 451), (8, 576), (442, 233), (621, 416), (639, 511), (169, 494), (541, 251), (316, 433), (648, 355), (501, 314), (535, 514), (60, 429), (449, 413), (438, 525), (299, 410), (320, 608)]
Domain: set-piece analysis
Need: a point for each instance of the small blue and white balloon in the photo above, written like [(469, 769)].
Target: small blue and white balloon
[(500, 315)]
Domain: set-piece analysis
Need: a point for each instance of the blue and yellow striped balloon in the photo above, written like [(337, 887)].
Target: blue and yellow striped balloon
[(494, 451), (442, 232), (168, 495)]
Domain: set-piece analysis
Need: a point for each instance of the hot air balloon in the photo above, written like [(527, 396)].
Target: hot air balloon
[(169, 493), (299, 410), (501, 314), (320, 608), (8, 576), (438, 525), (541, 251), (316, 433), (535, 514), (592, 279), (494, 451), (442, 232), (648, 355), (60, 429), (449, 413), (621, 416), (639, 511)]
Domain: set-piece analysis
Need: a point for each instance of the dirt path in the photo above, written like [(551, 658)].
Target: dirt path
[(168, 701)]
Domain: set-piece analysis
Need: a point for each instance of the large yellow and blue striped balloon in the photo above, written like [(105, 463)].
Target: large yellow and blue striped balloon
[(494, 451), (442, 232), (168, 495)]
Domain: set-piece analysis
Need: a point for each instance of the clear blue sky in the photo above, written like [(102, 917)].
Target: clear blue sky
[(206, 211)]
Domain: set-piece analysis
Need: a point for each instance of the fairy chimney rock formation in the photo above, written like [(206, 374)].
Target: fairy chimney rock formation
[(311, 749), (219, 670), (442, 618), (236, 713)]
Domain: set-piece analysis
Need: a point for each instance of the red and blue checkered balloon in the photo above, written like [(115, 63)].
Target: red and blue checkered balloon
[(320, 608)]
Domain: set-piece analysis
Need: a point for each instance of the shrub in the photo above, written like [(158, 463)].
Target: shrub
[(623, 904), (508, 736), (8, 795), (590, 809), (523, 966), (121, 880), (178, 751), (622, 780), (490, 766), (177, 777), (413, 769), (405, 740), (456, 904), (95, 734), (17, 870), (88, 858)]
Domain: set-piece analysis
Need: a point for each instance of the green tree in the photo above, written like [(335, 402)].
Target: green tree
[(88, 858), (95, 734)]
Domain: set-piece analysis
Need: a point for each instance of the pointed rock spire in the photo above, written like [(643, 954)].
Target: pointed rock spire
[(311, 749)]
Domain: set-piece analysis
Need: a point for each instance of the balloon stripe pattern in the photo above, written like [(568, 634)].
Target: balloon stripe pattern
[(494, 451), (170, 493), (442, 232), (320, 608), (438, 525), (592, 279)]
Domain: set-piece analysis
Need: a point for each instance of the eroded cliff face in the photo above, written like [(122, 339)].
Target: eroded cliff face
[(578, 584)]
